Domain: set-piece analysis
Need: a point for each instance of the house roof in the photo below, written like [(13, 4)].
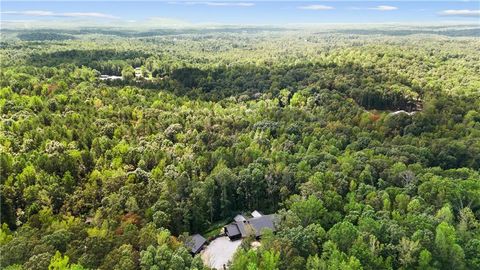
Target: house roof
[(251, 226), (256, 214), (232, 230), (195, 243), (262, 222), (239, 218), (242, 227)]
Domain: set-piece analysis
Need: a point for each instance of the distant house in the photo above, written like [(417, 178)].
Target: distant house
[(243, 227), (110, 77), (138, 72), (196, 243), (141, 74)]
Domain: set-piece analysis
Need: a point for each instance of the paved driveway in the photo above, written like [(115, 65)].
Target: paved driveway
[(220, 252)]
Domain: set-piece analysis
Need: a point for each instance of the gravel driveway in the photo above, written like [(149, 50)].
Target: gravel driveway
[(220, 252)]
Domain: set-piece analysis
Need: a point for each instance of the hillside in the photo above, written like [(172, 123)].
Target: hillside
[(203, 125)]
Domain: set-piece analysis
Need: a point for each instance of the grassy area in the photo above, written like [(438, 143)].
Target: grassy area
[(214, 229)]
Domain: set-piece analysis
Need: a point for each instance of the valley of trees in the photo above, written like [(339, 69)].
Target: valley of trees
[(113, 174)]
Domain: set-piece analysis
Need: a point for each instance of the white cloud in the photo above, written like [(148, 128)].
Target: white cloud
[(461, 12), (29, 13), (316, 7), (384, 8), (44, 13), (216, 4)]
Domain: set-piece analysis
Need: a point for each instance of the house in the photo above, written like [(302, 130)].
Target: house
[(235, 230), (138, 72), (110, 77), (243, 227), (196, 243), (258, 224)]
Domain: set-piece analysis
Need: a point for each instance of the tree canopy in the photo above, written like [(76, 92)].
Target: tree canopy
[(367, 147)]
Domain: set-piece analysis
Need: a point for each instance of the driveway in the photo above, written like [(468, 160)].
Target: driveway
[(220, 252)]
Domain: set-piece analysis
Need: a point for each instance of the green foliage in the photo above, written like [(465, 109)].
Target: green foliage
[(59, 262), (107, 173), (343, 235), (308, 211), (332, 258), (167, 257), (5, 234), (42, 36), (124, 257), (128, 73), (450, 254), (256, 260)]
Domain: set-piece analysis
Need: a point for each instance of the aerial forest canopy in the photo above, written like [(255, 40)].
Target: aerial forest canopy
[(116, 145)]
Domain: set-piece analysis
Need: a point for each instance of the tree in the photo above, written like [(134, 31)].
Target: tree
[(235, 122), (449, 254), (309, 211), (251, 259), (128, 73), (332, 258), (472, 254), (424, 260), (270, 260), (343, 234), (59, 262), (408, 252), (167, 257), (124, 257)]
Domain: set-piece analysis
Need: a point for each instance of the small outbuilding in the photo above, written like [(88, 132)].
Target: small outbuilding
[(195, 243), (232, 231)]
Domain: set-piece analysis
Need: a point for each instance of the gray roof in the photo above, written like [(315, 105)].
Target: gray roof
[(239, 218), (232, 230), (260, 223), (242, 228), (195, 243), (251, 226)]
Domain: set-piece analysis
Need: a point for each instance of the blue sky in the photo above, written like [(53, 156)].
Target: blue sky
[(241, 12)]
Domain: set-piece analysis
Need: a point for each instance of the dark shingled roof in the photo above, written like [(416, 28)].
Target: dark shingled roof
[(195, 243), (232, 230), (252, 226), (260, 223), (242, 229)]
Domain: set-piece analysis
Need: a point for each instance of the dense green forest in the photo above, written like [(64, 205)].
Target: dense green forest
[(366, 144)]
